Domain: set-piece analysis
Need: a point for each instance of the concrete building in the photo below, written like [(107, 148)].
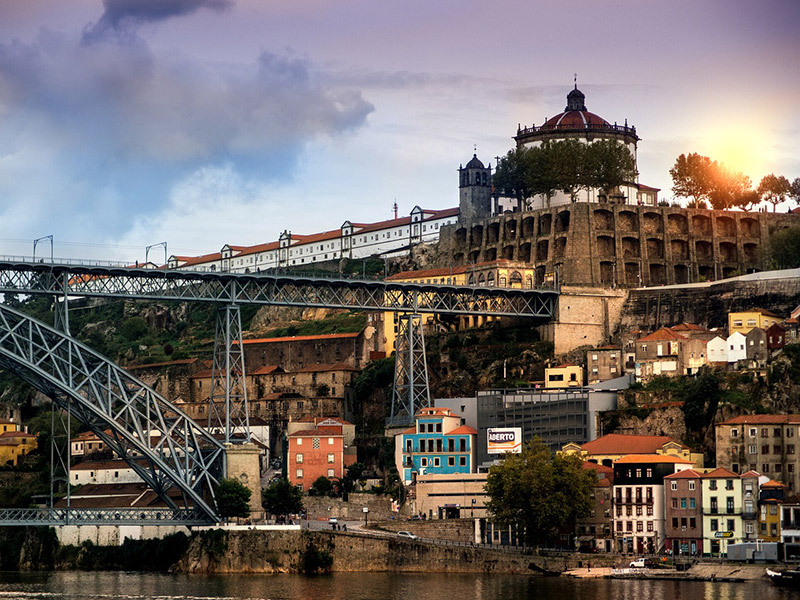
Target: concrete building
[(722, 511), (756, 347), (103, 472), (763, 443), (566, 375), (737, 347), (14, 444), (604, 363), (451, 496), (665, 352), (684, 513), (717, 350), (556, 416), (437, 444), (744, 321), (776, 337), (606, 450), (595, 530), (750, 499), (639, 525), (771, 495)]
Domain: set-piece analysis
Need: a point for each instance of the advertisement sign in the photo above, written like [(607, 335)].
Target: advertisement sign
[(723, 534), (500, 440)]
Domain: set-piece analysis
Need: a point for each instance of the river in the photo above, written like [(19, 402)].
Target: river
[(81, 585)]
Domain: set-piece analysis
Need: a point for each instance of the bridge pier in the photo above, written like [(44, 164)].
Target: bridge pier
[(242, 464)]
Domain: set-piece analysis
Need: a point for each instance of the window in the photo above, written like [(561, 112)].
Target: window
[(639, 526), (765, 449), (776, 432), (437, 462), (714, 525), (789, 432), (330, 441), (299, 441), (650, 510), (451, 461), (649, 472), (729, 484), (789, 448), (713, 505), (298, 474), (734, 432), (692, 503), (752, 431), (331, 458), (638, 511), (674, 503), (764, 432), (629, 525), (462, 461), (423, 462), (731, 525), (674, 522), (298, 458), (729, 505), (765, 468), (691, 486), (331, 473), (649, 526), (712, 485), (683, 502), (692, 523), (639, 475), (673, 485), (752, 449)]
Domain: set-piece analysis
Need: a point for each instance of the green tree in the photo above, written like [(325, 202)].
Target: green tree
[(512, 175), (774, 189), (569, 163), (282, 498), (609, 164), (233, 499), (784, 248), (322, 486), (794, 190), (691, 177), (540, 493)]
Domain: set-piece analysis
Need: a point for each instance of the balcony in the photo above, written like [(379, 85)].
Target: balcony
[(750, 516)]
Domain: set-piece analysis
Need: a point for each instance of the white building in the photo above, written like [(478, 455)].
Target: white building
[(737, 347), (717, 349), (102, 472), (352, 240)]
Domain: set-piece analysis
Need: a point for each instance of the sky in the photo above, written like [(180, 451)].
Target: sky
[(126, 123)]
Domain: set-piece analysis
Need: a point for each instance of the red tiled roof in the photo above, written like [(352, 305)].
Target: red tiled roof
[(302, 338), (464, 429), (266, 370), (319, 432), (617, 443), (688, 327), (662, 334), (340, 366), (685, 474), (170, 363), (751, 475), (772, 484), (16, 434), (434, 412), (720, 473), (197, 260), (312, 420), (762, 420), (597, 467), (652, 458)]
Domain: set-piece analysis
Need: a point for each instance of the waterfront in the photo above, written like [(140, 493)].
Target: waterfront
[(80, 585)]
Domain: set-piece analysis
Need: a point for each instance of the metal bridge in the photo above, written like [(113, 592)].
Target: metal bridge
[(274, 290), (172, 451)]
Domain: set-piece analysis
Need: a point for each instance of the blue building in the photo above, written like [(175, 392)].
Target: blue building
[(437, 444)]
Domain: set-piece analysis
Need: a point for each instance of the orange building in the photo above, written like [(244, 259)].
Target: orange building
[(317, 452)]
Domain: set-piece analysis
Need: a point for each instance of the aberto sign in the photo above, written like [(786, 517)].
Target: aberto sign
[(500, 440)]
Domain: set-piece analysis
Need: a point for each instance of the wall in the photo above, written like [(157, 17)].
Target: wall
[(321, 508)]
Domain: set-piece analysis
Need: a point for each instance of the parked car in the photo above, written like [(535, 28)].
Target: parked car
[(407, 534), (641, 563), (333, 521)]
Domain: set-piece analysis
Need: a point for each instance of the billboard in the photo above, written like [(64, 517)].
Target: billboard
[(500, 440)]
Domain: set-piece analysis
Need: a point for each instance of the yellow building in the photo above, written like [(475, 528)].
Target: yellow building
[(769, 510), (498, 273), (607, 449), (6, 425), (562, 376), (743, 322), (14, 444)]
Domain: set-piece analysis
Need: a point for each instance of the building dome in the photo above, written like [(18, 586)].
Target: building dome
[(575, 119), (475, 163)]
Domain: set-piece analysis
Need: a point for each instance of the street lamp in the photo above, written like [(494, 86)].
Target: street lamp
[(37, 240), (147, 251), (366, 514)]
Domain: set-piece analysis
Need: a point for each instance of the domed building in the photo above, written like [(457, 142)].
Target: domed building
[(576, 122)]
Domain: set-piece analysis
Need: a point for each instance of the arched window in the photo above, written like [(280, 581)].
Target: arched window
[(501, 281), (516, 279), (481, 279), (528, 282), (472, 279), (490, 279)]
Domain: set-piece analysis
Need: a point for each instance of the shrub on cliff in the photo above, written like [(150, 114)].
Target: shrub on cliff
[(232, 499)]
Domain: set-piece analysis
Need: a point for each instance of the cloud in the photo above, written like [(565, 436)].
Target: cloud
[(102, 131), (125, 16)]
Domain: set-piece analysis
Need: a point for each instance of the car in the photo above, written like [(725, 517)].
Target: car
[(407, 534), (333, 521), (641, 563)]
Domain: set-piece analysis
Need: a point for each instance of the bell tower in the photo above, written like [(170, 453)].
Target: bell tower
[(475, 190)]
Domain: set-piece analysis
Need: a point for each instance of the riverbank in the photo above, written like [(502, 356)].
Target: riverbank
[(719, 572)]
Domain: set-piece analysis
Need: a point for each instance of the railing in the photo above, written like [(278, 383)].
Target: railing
[(604, 127), (105, 516)]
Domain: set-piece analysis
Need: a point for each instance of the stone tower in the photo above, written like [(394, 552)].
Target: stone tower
[(475, 191)]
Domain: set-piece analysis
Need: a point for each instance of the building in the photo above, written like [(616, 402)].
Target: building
[(437, 444), (756, 347), (577, 123), (750, 499), (102, 472), (776, 337), (665, 352), (737, 347), (722, 511), (86, 444), (604, 363), (318, 451), (772, 494), (744, 321), (8, 425), (639, 516), (684, 513), (451, 496), (557, 417), (352, 240), (717, 350), (611, 447), (595, 530), (763, 443), (14, 444), (563, 376)]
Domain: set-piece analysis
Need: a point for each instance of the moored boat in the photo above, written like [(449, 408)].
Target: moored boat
[(786, 577)]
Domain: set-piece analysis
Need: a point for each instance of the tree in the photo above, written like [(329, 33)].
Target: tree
[(540, 493), (511, 177), (794, 191), (609, 164), (568, 161), (322, 486), (728, 188), (282, 498), (698, 177), (774, 189), (232, 499), (784, 248)]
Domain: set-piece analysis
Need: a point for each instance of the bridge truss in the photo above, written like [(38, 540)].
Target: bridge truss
[(166, 448)]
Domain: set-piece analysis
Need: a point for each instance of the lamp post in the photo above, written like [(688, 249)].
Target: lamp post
[(36, 242), (147, 251), (366, 514)]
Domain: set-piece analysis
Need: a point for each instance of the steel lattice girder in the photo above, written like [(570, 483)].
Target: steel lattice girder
[(161, 443), (280, 290), (104, 516)]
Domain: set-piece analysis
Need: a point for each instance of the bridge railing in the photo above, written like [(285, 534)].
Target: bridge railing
[(102, 516)]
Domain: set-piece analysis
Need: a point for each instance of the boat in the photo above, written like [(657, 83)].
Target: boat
[(786, 577)]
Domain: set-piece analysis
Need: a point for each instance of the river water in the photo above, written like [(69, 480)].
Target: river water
[(75, 585)]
